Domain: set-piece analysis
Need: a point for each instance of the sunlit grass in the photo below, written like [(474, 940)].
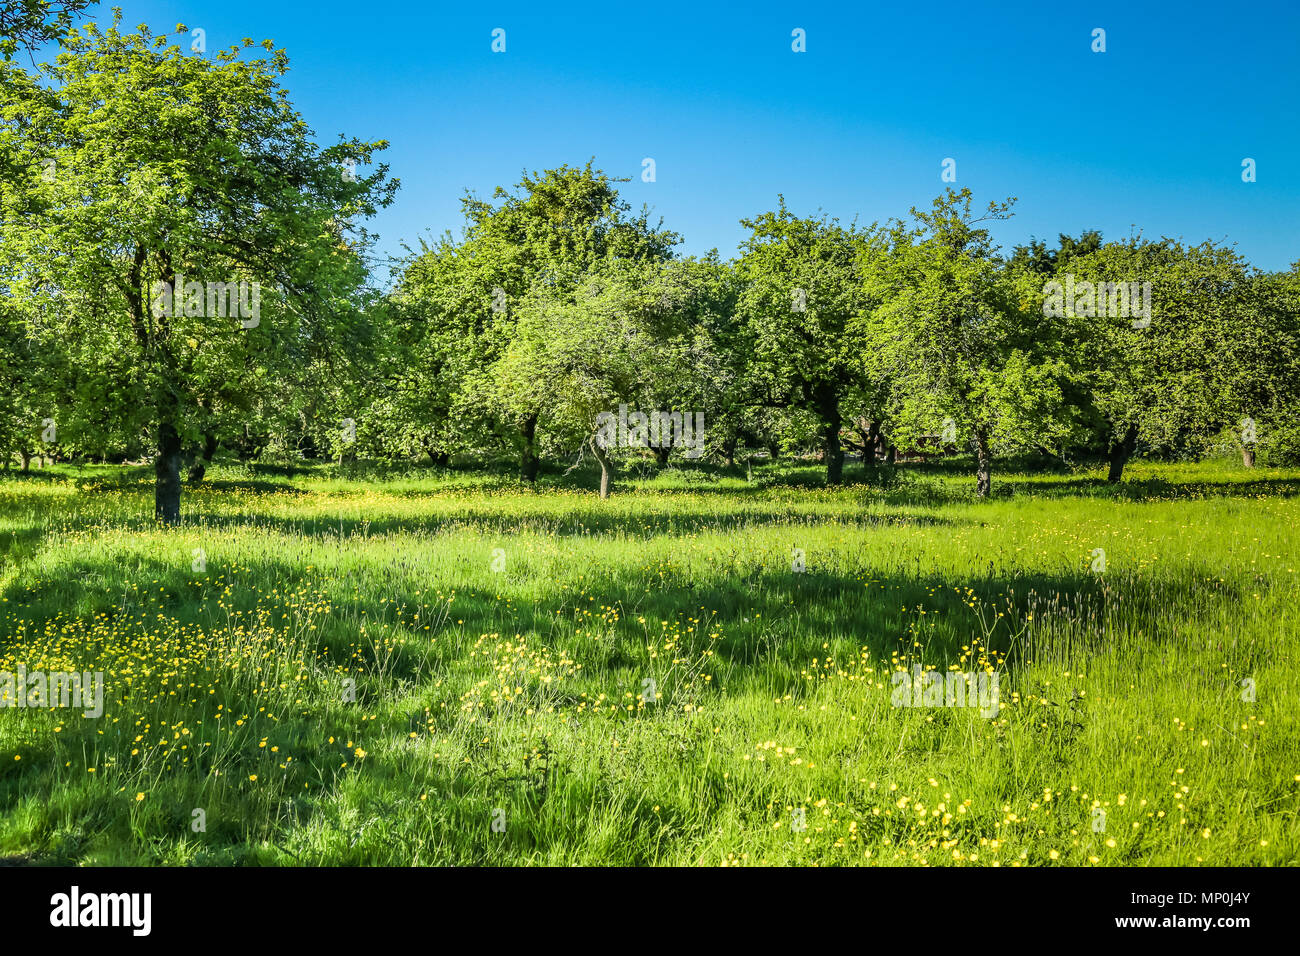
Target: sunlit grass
[(374, 668)]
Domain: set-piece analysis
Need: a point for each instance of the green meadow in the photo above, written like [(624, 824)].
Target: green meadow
[(333, 667)]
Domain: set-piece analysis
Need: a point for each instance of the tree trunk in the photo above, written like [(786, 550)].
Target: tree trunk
[(891, 454), (661, 455), (873, 441), (529, 465), (27, 460), (605, 467), (167, 471), (1120, 452), (441, 459), (200, 467), (834, 455), (828, 408), (1248, 455), (729, 451), (773, 450), (984, 459)]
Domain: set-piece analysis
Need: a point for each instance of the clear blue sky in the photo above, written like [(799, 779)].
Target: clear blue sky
[(1152, 132)]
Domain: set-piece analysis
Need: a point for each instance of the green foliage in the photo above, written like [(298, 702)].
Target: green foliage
[(128, 163), (801, 295), (475, 313), (26, 24), (167, 165), (963, 339)]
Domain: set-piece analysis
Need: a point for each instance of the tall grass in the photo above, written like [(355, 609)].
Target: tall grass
[(448, 668)]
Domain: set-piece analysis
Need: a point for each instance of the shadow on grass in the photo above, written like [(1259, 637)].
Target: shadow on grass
[(1146, 489), (774, 625), (576, 521), (768, 616)]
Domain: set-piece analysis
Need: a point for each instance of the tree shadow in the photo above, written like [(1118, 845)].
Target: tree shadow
[(773, 625), (216, 485), (579, 520), (747, 598), (1149, 489)]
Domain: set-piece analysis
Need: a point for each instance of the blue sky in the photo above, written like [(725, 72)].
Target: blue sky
[(1150, 134)]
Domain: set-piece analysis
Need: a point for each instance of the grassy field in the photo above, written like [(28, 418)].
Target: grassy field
[(449, 669)]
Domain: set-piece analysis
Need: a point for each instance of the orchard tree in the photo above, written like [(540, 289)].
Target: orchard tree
[(447, 320), (1256, 356), (553, 233), (1175, 365), (687, 306), (165, 185), (963, 339), (801, 296), (572, 362), (537, 243)]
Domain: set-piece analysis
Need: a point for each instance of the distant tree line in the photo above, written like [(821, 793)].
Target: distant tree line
[(138, 178)]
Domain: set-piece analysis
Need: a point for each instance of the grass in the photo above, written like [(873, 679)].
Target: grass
[(446, 668)]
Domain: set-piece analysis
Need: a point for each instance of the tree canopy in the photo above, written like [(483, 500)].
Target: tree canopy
[(184, 271)]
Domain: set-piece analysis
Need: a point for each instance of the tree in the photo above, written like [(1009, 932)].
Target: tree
[(573, 362), (447, 327), (688, 306), (182, 185), (964, 339), (538, 243), (1158, 374), (1037, 257), (1256, 356), (800, 299), (26, 24)]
